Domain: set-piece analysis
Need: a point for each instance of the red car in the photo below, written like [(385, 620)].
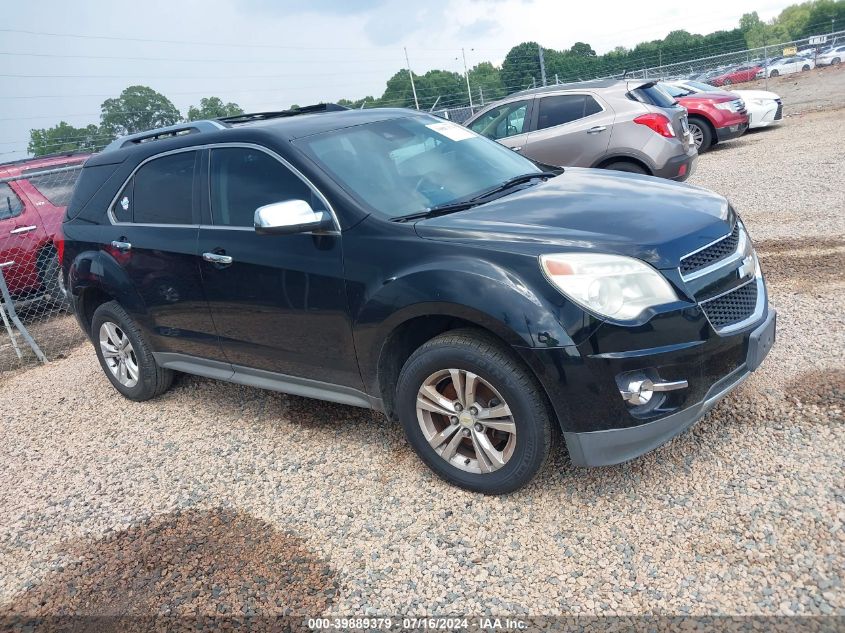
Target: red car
[(736, 75), (714, 117), (34, 193)]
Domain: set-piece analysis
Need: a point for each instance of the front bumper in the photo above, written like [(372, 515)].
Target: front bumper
[(603, 448), (731, 131)]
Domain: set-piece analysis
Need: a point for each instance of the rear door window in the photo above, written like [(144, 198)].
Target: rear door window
[(163, 190), (57, 187), (560, 109), (11, 205)]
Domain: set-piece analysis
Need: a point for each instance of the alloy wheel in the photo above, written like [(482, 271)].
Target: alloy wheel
[(119, 354), (466, 421), (697, 135)]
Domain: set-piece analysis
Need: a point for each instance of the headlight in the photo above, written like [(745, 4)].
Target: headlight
[(733, 106), (613, 286)]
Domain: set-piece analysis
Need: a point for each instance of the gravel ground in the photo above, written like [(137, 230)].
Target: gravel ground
[(221, 499)]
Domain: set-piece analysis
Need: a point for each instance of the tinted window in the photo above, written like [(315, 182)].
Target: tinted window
[(244, 179), (57, 187), (561, 109), (163, 190), (502, 121), (651, 94), (10, 205)]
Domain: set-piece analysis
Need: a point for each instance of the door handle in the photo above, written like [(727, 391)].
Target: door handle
[(121, 246), (517, 149), (596, 129), (217, 258), (22, 229)]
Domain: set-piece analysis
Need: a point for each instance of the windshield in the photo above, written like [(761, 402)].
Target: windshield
[(675, 91), (407, 165), (700, 85)]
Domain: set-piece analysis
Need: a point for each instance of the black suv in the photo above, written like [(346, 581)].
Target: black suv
[(388, 259)]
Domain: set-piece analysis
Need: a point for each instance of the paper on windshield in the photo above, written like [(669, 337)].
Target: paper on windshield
[(451, 131)]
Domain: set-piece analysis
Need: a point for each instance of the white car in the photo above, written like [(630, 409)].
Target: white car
[(764, 108), (787, 66), (831, 57)]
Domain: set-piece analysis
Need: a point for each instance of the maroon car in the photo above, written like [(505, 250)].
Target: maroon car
[(737, 75), (34, 193), (713, 117)]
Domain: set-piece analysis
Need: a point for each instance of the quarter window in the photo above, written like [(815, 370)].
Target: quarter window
[(503, 121), (11, 205), (560, 109), (244, 179), (163, 191)]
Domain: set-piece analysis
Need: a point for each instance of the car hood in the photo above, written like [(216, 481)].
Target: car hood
[(655, 220), (756, 94)]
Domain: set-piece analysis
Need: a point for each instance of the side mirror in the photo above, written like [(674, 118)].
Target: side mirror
[(288, 217)]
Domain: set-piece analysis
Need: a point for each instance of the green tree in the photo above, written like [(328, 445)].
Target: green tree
[(213, 108), (521, 67), (581, 49), (65, 138), (138, 108), (485, 79)]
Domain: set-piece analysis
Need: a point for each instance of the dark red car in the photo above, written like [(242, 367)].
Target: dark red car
[(737, 75), (34, 193), (713, 117)]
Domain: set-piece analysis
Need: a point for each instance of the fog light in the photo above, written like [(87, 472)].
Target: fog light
[(637, 389)]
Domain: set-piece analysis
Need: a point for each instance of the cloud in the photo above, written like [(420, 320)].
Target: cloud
[(479, 28)]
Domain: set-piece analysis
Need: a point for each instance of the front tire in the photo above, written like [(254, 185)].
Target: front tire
[(805, 68), (125, 356), (701, 134), (774, 73), (50, 275), (474, 413)]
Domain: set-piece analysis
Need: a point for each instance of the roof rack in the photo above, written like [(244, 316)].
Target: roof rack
[(263, 116), (21, 161), (212, 125), (194, 127)]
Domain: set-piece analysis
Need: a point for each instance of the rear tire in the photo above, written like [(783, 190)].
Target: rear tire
[(774, 73), (701, 134), (805, 68), (835, 61), (627, 166), (505, 410), (119, 342)]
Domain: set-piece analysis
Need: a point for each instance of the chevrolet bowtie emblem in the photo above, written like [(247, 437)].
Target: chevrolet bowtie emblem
[(747, 268)]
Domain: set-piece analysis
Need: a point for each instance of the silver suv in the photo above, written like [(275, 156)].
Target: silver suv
[(628, 126)]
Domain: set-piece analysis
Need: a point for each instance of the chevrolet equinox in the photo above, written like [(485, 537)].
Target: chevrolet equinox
[(388, 259)]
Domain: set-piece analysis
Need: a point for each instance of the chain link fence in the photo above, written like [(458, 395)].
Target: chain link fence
[(721, 70), (35, 322)]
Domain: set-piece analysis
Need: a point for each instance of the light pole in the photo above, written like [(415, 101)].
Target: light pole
[(411, 75), (466, 74)]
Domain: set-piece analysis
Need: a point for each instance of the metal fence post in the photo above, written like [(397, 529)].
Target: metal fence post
[(9, 307)]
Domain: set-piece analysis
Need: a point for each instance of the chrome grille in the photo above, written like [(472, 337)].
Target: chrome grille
[(711, 254), (732, 307)]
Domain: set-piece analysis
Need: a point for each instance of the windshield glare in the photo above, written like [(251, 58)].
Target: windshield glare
[(407, 165)]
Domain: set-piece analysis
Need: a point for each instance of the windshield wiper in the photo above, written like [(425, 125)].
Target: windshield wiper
[(460, 205)]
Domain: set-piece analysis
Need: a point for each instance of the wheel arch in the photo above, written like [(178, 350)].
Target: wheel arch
[(624, 158), (94, 278)]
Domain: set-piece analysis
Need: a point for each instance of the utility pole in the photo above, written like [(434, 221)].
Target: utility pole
[(557, 81), (481, 94), (766, 61), (542, 65), (466, 74), (411, 75)]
